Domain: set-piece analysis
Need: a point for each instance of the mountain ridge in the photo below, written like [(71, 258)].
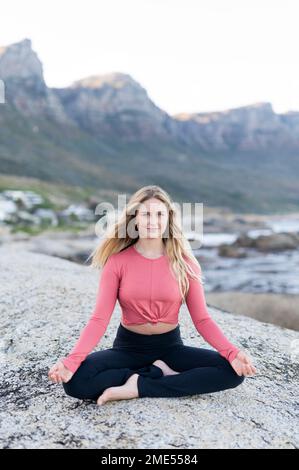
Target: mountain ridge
[(105, 130)]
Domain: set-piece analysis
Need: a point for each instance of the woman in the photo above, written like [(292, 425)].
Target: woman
[(148, 265)]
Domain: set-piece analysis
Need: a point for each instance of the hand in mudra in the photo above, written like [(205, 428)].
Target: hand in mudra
[(242, 364), (59, 373)]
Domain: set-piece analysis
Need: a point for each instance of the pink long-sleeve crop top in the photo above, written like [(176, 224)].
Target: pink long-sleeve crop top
[(147, 292)]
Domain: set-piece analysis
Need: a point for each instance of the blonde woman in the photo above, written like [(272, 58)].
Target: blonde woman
[(151, 271)]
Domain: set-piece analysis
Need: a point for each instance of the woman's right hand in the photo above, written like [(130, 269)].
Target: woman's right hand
[(59, 373)]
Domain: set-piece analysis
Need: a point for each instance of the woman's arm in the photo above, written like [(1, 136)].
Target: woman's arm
[(205, 325), (105, 302)]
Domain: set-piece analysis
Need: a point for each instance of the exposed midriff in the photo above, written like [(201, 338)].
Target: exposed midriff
[(151, 328)]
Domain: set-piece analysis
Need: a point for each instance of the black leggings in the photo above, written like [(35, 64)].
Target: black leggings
[(201, 370)]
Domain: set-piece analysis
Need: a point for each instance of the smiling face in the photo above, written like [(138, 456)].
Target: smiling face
[(152, 218)]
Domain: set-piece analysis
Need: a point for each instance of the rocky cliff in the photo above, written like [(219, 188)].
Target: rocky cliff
[(25, 87), (115, 103), (104, 131)]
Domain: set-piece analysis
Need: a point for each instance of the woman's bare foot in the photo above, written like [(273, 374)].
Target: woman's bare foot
[(165, 368), (123, 392)]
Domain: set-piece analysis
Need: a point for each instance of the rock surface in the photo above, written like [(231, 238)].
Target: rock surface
[(46, 301)]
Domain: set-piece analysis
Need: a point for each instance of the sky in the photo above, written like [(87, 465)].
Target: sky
[(189, 55)]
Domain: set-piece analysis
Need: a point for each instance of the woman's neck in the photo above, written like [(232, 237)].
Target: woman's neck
[(150, 247)]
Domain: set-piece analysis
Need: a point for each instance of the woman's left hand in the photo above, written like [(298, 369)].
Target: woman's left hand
[(242, 364)]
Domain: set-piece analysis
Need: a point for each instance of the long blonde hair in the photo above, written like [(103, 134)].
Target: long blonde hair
[(177, 246)]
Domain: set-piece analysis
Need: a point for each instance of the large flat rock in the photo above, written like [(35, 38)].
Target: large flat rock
[(45, 303)]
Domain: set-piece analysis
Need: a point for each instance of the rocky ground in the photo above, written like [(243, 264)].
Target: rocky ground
[(46, 301)]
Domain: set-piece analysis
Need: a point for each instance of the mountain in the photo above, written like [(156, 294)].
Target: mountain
[(113, 104), (25, 88), (105, 131), (254, 127)]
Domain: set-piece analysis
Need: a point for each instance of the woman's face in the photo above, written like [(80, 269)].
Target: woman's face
[(152, 218)]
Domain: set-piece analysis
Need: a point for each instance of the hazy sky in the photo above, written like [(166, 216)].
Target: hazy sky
[(190, 55)]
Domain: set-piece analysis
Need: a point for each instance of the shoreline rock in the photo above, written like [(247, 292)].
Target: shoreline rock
[(46, 301)]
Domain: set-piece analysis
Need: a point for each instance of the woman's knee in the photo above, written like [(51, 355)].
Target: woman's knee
[(237, 379), (77, 386), (234, 377), (73, 389)]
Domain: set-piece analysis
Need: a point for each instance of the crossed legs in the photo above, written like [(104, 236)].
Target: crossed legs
[(130, 389), (200, 370)]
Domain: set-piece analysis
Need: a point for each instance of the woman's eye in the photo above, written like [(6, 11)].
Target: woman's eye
[(148, 213)]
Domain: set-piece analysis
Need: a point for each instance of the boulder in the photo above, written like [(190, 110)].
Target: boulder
[(46, 301)]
